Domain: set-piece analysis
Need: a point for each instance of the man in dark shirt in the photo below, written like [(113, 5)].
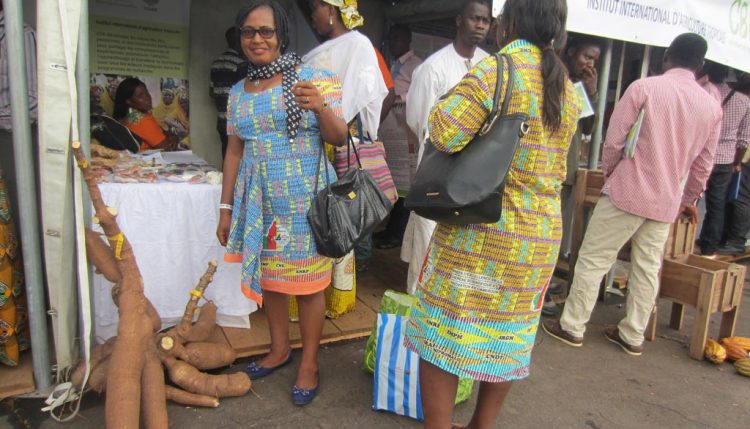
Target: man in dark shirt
[(226, 70), (581, 59)]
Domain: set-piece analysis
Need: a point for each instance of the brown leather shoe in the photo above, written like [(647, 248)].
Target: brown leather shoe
[(613, 335), (553, 328)]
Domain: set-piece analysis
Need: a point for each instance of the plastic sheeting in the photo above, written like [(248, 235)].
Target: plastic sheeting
[(56, 174)]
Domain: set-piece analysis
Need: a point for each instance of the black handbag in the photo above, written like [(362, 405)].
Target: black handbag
[(113, 135), (347, 210), (467, 186)]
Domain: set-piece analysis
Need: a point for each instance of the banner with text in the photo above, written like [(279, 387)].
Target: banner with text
[(725, 24), (146, 39)]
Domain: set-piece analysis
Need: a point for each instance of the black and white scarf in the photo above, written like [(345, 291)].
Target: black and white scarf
[(286, 64)]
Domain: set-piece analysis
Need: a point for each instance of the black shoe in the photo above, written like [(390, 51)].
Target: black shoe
[(550, 308), (388, 243), (731, 251)]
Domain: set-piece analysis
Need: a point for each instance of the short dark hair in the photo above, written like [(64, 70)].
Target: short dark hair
[(281, 20), (400, 28), (717, 73), (231, 36), (466, 4), (687, 50), (125, 91), (579, 40)]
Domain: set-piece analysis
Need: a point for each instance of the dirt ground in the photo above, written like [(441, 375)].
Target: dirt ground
[(594, 387)]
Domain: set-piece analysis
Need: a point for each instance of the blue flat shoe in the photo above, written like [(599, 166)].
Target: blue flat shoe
[(255, 371), (304, 396)]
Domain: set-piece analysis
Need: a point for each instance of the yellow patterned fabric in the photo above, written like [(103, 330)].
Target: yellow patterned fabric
[(349, 12), (482, 286), (14, 335)]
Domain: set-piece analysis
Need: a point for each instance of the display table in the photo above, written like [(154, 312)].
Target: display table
[(172, 228)]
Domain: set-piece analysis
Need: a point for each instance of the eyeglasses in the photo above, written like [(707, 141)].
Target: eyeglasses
[(249, 33)]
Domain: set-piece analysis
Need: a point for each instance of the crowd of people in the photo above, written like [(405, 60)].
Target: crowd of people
[(480, 288)]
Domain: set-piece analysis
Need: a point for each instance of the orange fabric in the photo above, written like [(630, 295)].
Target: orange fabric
[(295, 288), (285, 287), (234, 258), (384, 70), (148, 130)]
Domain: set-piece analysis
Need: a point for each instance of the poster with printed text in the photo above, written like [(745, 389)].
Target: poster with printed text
[(147, 40), (725, 24)]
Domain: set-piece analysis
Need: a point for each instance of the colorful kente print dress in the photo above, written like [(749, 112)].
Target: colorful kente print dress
[(275, 185), (481, 287)]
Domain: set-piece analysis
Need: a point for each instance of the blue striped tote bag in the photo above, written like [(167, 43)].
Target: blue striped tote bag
[(396, 386)]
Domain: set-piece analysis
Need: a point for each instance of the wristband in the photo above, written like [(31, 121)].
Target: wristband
[(226, 207)]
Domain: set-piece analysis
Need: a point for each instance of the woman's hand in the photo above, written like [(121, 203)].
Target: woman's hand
[(222, 231), (307, 96), (170, 143)]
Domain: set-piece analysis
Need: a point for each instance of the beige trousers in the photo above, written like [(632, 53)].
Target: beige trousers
[(608, 230)]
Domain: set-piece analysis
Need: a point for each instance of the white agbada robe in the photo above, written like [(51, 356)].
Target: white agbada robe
[(353, 58), (436, 76)]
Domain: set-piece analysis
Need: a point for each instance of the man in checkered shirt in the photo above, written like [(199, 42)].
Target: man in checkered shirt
[(738, 219), (735, 134)]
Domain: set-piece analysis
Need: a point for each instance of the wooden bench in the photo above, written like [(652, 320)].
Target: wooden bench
[(710, 286), (705, 284)]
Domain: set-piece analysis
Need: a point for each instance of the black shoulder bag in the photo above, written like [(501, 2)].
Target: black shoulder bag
[(347, 210), (113, 135), (467, 186)]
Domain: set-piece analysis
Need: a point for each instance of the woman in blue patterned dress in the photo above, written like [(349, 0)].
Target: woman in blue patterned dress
[(277, 119), (481, 288)]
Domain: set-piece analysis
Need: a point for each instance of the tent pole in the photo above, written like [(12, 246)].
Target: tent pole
[(82, 78), (646, 61), (601, 106), (28, 208), (84, 135), (620, 72)]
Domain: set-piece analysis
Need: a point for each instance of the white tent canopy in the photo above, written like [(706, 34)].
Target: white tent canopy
[(723, 23)]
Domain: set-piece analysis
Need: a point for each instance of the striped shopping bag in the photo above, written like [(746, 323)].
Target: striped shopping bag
[(396, 370), (372, 157)]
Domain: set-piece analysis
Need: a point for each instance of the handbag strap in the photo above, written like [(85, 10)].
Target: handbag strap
[(317, 171), (728, 97), (492, 117), (350, 143)]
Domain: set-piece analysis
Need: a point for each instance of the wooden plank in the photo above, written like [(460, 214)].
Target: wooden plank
[(358, 322), (707, 263), (741, 274), (576, 237), (330, 332), (728, 322), (247, 342), (591, 200), (595, 181), (17, 380), (680, 282), (257, 340), (386, 271), (734, 258), (369, 297), (650, 332), (702, 316)]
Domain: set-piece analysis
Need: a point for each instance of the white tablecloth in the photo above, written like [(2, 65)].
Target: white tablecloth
[(172, 228)]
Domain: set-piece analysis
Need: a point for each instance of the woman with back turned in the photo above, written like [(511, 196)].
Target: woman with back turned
[(481, 288)]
